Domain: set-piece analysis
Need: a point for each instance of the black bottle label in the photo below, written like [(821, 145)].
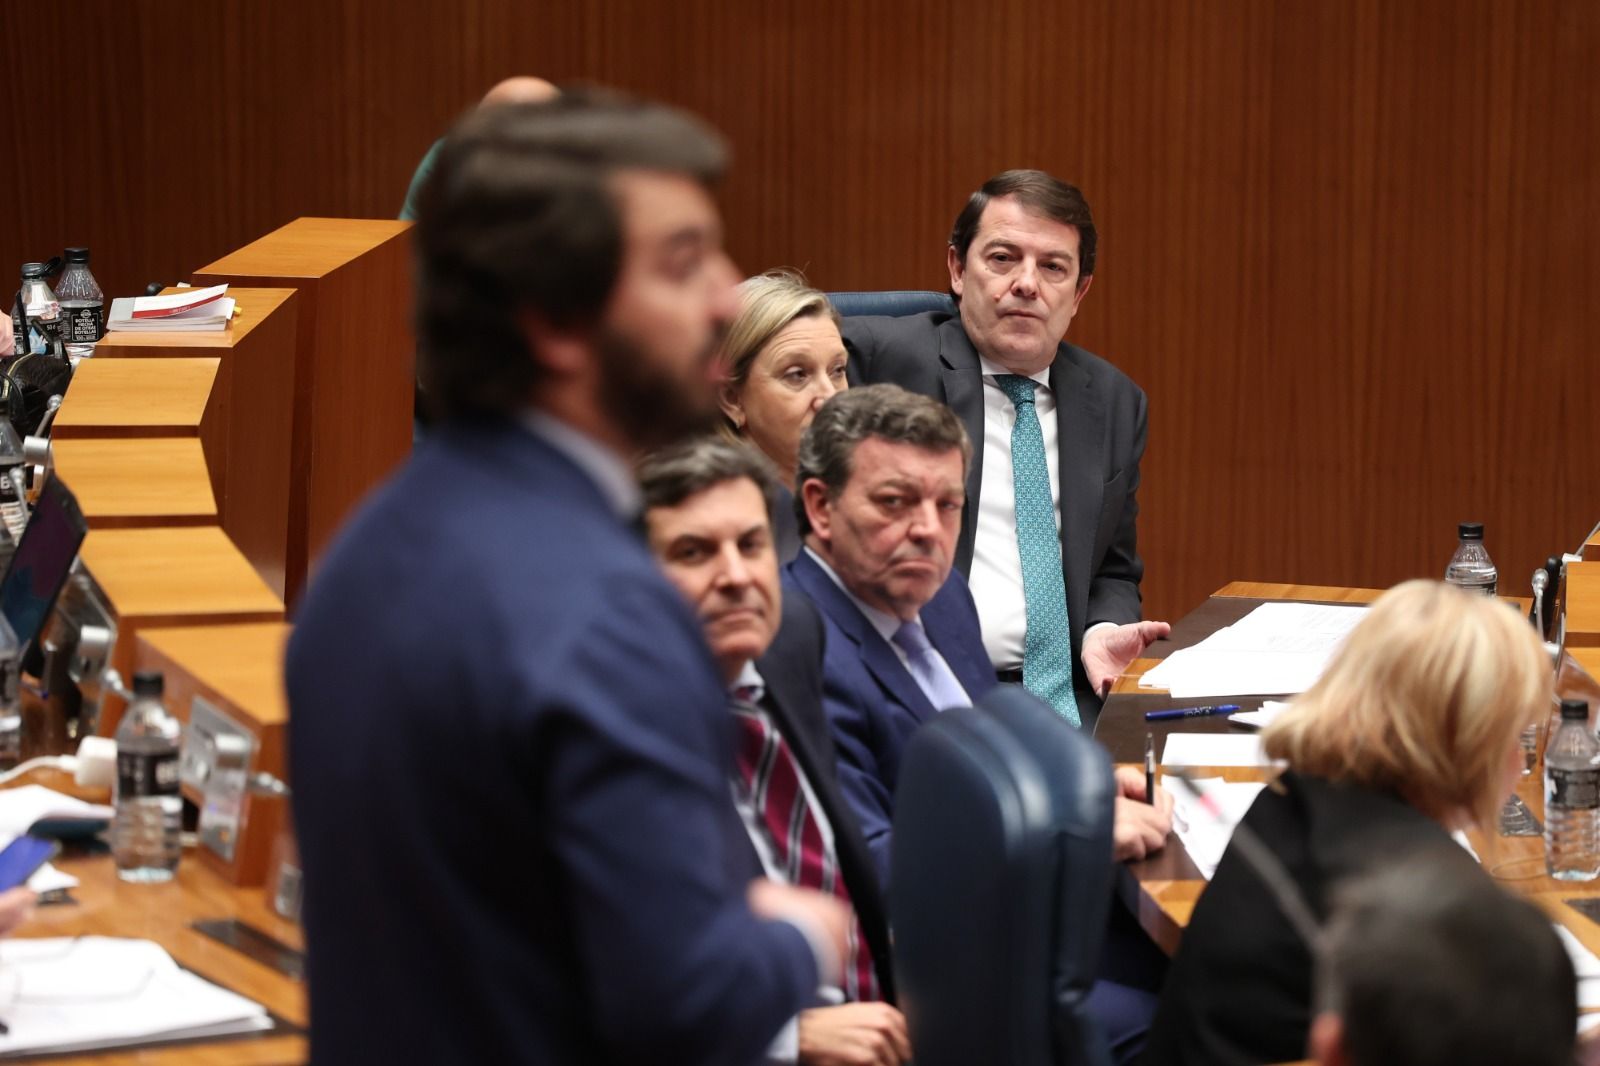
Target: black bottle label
[(1575, 790), (146, 775), (82, 325)]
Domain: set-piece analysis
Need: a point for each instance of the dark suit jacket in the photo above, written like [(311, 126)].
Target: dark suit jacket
[(873, 702), (792, 670), (1101, 422), (511, 755), (1240, 988)]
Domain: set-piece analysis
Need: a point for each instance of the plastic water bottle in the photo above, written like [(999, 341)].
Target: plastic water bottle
[(144, 833), (10, 697), (82, 305), (1470, 567), (44, 311), (1572, 797)]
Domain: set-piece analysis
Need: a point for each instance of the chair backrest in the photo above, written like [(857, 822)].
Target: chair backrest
[(1001, 885), (894, 303)]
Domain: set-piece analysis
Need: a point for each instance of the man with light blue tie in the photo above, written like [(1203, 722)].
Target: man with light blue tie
[(881, 483), (1049, 538)]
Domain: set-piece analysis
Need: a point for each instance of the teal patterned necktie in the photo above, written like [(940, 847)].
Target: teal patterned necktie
[(1047, 649)]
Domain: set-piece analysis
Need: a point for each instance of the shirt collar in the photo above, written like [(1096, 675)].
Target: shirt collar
[(610, 474), (992, 370), (886, 624), (749, 678)]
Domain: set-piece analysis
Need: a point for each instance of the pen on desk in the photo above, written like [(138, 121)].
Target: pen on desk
[(1149, 767), (1190, 712)]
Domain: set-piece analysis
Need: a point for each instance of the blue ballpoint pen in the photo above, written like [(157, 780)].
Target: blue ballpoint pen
[(1190, 712)]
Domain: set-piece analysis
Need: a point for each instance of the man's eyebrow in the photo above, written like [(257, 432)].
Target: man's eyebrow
[(688, 237), (1049, 253)]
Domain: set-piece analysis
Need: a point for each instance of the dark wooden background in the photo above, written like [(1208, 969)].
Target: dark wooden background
[(1348, 246)]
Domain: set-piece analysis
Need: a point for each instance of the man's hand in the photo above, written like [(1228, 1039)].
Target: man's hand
[(854, 1034), (1139, 828), (1110, 650), (817, 914), (16, 907)]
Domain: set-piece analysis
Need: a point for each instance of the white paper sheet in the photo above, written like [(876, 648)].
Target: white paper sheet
[(1269, 712), (1214, 749), (1278, 648), (1205, 834)]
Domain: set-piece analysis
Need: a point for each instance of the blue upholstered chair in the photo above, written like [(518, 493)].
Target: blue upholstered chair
[(894, 303), (1001, 883)]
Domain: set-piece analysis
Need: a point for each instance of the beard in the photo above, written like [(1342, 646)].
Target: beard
[(649, 403)]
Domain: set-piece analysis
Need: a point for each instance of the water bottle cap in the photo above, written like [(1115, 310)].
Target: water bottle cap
[(77, 255), (1574, 710), (33, 270), (152, 683), (1471, 530)]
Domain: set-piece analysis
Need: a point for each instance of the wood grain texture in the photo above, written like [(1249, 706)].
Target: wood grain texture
[(249, 421), (119, 483), (121, 398), (1347, 247)]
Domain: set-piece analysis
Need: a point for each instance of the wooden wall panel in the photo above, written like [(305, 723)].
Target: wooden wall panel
[(1347, 246)]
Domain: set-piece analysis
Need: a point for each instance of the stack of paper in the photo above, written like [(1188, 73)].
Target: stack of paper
[(78, 994), (22, 806), (1278, 648), (1205, 834), (187, 311)]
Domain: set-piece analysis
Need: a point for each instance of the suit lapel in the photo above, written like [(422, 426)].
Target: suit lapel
[(963, 394), (1080, 442), (876, 654)]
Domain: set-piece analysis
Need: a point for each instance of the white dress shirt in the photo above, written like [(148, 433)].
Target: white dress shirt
[(996, 577)]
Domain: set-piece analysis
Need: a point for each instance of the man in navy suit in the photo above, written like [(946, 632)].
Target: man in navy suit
[(881, 481), (1057, 432), (509, 740), (709, 516)]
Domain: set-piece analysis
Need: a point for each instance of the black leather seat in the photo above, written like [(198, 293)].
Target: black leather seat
[(1001, 884)]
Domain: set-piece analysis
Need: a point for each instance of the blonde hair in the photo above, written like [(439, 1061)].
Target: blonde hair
[(1426, 698), (767, 304)]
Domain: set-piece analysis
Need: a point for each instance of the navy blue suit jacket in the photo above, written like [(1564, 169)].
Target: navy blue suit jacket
[(510, 750), (872, 701), (1101, 422)]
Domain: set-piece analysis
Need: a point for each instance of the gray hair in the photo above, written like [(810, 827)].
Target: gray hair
[(888, 412)]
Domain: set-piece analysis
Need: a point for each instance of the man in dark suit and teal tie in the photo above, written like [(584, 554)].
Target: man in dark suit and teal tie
[(881, 479), (509, 740), (1048, 541)]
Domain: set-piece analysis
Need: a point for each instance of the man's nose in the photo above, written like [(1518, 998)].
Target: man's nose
[(733, 572), (1025, 281)]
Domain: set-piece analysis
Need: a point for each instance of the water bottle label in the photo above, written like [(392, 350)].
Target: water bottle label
[(1572, 789), (83, 324), (147, 775)]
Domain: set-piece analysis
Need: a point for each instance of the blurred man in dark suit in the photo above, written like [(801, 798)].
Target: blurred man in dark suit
[(1048, 542), (708, 512), (509, 741)]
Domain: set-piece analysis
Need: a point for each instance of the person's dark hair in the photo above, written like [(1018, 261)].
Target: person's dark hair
[(1040, 193), (670, 475), (1426, 967), (888, 412), (518, 216)]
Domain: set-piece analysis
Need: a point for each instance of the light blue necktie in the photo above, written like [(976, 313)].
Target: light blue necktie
[(933, 675), (1047, 649)]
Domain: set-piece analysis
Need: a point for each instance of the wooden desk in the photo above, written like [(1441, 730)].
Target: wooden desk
[(161, 481), (122, 398), (164, 913), (355, 362), (1163, 889), (247, 426), (171, 577), (1583, 605)]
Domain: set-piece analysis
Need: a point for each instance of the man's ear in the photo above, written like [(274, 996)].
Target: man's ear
[(958, 269), (560, 351), (819, 510)]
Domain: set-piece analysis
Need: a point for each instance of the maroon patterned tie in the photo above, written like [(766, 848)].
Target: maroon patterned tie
[(769, 778)]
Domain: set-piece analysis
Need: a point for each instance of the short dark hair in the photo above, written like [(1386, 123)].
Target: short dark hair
[(518, 215), (1040, 193), (670, 475), (1427, 965), (888, 412)]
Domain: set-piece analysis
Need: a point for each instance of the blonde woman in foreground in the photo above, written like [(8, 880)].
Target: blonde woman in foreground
[(1411, 733)]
